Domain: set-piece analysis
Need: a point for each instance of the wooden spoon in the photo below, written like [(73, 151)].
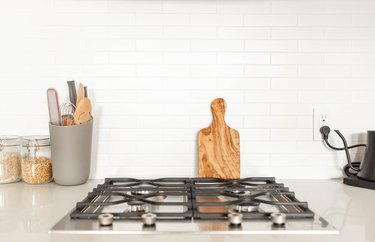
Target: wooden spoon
[(83, 111), (80, 94)]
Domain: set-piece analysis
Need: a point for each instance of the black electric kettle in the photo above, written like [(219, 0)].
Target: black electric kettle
[(367, 167), (361, 174)]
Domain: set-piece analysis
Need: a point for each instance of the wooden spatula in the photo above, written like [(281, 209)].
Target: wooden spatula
[(83, 111), (219, 146)]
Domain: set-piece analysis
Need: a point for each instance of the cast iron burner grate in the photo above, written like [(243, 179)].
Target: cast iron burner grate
[(195, 198)]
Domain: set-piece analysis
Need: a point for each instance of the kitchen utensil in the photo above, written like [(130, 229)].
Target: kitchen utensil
[(85, 91), (219, 146), (83, 111), (53, 106), (72, 92), (80, 94), (67, 114)]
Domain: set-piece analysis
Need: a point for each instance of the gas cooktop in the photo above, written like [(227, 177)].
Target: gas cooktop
[(254, 205)]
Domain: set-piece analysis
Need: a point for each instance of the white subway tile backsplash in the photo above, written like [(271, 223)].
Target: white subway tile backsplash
[(239, 6), (171, 6), (135, 32), (244, 32), (349, 7), (323, 96), (271, 45), (163, 70), (290, 135), (363, 20), (208, 96), (254, 134), (191, 83), (216, 70), (363, 71), (162, 45), (271, 71), (271, 97), (298, 7), (135, 58), (216, 19), (163, 122), (217, 45), (324, 71), (350, 33), (298, 83), (298, 33), (243, 58), (363, 45), (297, 58), (243, 83), (347, 59), (65, 58), (72, 6), (153, 67), (106, 45), (270, 147), (162, 19), (109, 70), (270, 20), (292, 109), (270, 122), (189, 32), (325, 45), (134, 6), (325, 20), (189, 58)]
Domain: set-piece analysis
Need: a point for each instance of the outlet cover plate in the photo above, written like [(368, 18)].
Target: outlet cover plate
[(319, 112)]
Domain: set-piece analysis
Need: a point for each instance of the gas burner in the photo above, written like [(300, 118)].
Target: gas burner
[(245, 208), (135, 207), (135, 191), (236, 185), (238, 192), (232, 195)]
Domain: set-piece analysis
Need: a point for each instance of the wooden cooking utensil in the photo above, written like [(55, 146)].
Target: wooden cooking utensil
[(83, 111), (219, 146), (80, 94)]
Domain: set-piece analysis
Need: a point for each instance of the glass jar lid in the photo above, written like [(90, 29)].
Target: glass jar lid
[(9, 140), (36, 141)]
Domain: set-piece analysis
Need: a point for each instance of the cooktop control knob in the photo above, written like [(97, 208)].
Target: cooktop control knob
[(278, 218), (149, 219), (105, 219), (235, 219)]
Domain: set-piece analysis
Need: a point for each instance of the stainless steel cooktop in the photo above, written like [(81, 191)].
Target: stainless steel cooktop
[(256, 205)]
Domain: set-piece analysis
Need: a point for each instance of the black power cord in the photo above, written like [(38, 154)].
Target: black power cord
[(352, 168)]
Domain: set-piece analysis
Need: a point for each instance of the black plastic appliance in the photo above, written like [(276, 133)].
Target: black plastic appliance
[(360, 174)]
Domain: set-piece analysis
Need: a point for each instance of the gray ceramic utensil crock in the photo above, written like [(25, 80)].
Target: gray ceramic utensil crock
[(71, 153)]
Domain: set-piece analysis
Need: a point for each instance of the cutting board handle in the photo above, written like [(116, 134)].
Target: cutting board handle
[(218, 107)]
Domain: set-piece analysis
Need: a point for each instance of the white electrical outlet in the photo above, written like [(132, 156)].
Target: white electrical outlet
[(321, 118)]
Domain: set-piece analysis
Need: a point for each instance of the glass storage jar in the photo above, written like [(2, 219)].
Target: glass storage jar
[(10, 159), (36, 160)]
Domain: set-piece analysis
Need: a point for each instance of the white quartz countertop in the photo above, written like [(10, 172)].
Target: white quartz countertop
[(27, 212)]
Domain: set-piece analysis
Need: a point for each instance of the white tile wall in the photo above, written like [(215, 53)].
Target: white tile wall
[(153, 66)]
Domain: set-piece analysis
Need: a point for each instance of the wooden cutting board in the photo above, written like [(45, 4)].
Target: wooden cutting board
[(219, 146)]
